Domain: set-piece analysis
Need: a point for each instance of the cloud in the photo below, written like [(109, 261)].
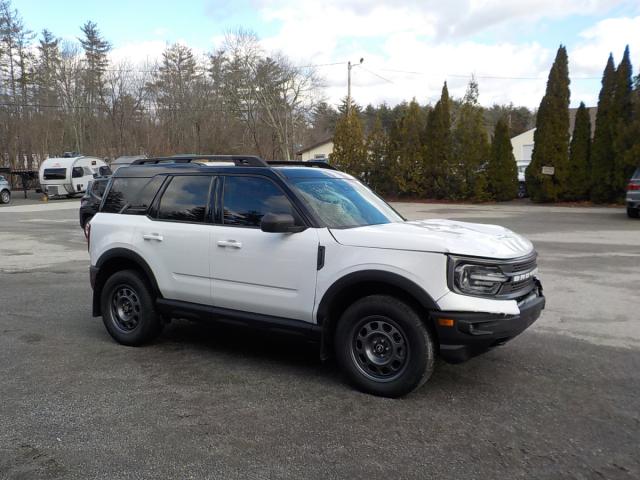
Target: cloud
[(442, 41)]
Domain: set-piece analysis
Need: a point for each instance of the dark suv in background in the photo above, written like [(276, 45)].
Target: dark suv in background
[(633, 195), (90, 202)]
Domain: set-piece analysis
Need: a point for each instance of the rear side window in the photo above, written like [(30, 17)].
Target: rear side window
[(247, 199), (636, 175), (185, 199), (136, 194), (98, 187), (77, 172)]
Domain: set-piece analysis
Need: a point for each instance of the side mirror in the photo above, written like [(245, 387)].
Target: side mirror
[(279, 223)]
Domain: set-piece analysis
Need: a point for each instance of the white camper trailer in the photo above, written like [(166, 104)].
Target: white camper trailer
[(68, 176)]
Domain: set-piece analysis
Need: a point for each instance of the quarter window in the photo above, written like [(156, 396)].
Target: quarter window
[(185, 199), (247, 199), (77, 172), (136, 194)]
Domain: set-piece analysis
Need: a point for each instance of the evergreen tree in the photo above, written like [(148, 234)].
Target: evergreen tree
[(551, 138), (380, 176), (578, 180), (502, 172), (602, 147), (622, 139), (439, 179), (407, 151), (96, 49), (349, 153), (470, 145)]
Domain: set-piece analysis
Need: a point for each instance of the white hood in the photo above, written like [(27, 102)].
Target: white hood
[(445, 236)]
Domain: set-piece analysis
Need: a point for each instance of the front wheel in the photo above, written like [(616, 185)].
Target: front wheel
[(128, 310), (633, 212), (5, 196), (384, 347)]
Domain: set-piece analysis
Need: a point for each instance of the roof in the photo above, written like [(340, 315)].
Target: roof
[(314, 145), (593, 111)]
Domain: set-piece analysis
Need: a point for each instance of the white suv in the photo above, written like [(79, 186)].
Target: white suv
[(304, 248)]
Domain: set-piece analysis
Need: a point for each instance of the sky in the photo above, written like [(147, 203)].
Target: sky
[(409, 47)]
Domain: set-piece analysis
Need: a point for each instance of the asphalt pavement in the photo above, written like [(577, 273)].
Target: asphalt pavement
[(562, 401)]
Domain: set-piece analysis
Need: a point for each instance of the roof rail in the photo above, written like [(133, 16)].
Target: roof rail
[(300, 163), (238, 160)]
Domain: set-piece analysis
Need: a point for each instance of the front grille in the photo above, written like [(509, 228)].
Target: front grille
[(520, 288)]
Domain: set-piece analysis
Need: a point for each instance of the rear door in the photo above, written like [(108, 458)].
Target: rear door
[(254, 271), (175, 239)]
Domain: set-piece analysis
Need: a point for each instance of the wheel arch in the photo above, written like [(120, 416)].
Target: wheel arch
[(115, 260), (353, 286)]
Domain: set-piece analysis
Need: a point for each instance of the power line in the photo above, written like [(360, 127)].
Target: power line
[(379, 76), (485, 76)]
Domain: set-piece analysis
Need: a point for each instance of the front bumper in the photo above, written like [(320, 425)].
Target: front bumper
[(472, 333)]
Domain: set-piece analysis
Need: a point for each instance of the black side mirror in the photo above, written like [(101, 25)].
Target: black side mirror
[(279, 223)]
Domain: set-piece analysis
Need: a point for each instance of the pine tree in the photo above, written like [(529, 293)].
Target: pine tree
[(579, 158), (349, 153), (407, 151), (470, 145), (551, 138), (622, 139), (439, 179), (96, 49), (602, 147), (502, 172), (380, 176)]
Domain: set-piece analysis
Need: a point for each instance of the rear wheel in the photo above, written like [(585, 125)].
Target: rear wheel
[(128, 310), (633, 212), (384, 347), (5, 196)]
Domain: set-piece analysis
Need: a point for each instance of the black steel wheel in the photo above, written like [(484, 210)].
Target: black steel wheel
[(384, 347), (128, 308), (379, 348), (125, 308)]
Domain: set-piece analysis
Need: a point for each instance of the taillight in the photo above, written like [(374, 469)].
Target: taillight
[(633, 186)]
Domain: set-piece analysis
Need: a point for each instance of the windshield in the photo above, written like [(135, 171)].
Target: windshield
[(344, 203)]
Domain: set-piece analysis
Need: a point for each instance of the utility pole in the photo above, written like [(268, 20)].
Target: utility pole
[(349, 67)]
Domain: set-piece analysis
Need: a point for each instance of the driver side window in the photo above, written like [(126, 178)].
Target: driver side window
[(247, 199)]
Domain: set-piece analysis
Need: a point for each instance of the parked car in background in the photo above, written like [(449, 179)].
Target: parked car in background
[(90, 201), (5, 190), (633, 195), (69, 176)]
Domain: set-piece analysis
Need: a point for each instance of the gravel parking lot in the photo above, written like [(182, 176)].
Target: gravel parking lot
[(562, 401)]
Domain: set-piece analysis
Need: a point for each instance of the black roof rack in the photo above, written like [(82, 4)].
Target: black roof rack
[(300, 163), (238, 160)]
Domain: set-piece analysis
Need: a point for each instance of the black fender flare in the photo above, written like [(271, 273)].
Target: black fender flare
[(380, 277), (120, 254)]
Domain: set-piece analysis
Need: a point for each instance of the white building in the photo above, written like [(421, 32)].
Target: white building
[(318, 151), (522, 149)]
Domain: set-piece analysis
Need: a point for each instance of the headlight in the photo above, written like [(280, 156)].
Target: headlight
[(476, 279)]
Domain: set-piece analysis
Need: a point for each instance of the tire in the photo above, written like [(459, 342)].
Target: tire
[(5, 196), (128, 310), (373, 324), (633, 212)]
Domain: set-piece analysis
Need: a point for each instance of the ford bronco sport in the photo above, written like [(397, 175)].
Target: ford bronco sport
[(304, 248)]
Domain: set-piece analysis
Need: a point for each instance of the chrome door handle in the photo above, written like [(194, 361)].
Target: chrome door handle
[(229, 243), (152, 236)]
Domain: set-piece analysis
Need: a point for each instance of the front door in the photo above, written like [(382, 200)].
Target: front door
[(255, 271)]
